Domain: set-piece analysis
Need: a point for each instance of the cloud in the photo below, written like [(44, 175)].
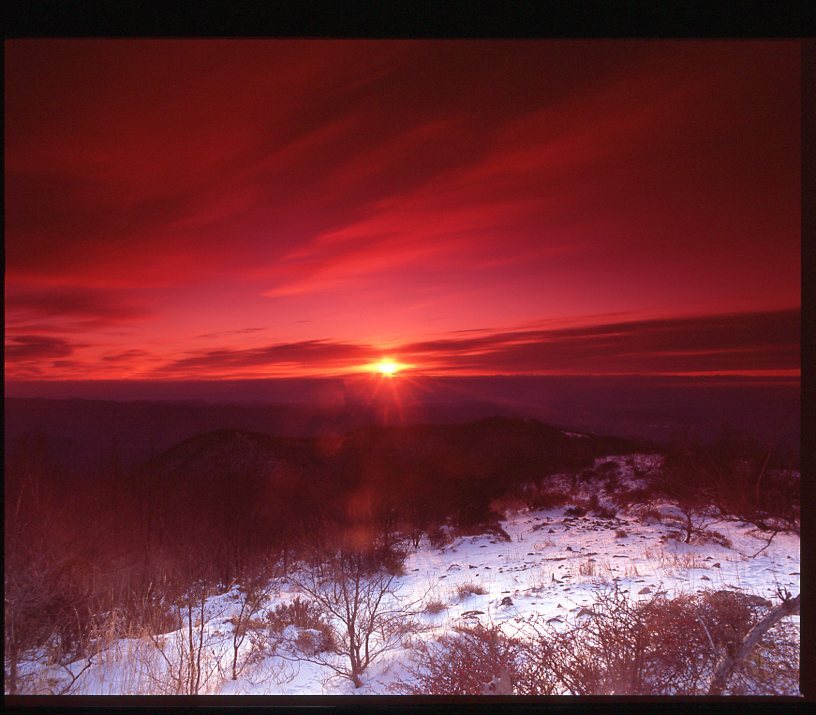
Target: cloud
[(379, 188), (517, 197), (310, 354), (126, 356), (91, 308), (239, 331), (733, 342), (724, 343), (138, 174), (31, 348)]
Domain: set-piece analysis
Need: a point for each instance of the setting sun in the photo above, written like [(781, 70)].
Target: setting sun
[(388, 368)]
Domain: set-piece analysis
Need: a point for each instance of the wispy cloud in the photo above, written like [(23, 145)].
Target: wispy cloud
[(85, 307), (309, 354), (344, 192), (734, 342), (724, 343), (221, 334), (33, 348)]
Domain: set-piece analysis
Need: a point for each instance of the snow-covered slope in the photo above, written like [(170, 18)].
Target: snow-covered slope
[(553, 564)]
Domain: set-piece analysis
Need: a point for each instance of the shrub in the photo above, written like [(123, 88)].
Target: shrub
[(434, 607), (308, 617), (550, 499), (650, 515), (312, 641), (464, 590), (300, 613), (464, 662), (439, 537), (663, 646), (711, 536), (508, 505), (391, 559), (575, 511), (605, 512), (587, 476), (621, 533), (587, 568), (253, 624), (636, 499)]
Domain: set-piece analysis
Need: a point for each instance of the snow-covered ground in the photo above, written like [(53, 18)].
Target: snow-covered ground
[(552, 566)]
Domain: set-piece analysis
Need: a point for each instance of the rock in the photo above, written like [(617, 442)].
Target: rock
[(556, 619), (715, 566), (454, 566), (472, 614), (506, 601), (704, 578), (584, 612), (644, 591), (550, 531)]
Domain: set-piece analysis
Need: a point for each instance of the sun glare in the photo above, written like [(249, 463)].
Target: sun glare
[(387, 368)]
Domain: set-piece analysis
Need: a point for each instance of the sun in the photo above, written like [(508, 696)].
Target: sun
[(387, 368)]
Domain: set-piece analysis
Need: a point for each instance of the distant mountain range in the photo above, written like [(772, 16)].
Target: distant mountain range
[(143, 419)]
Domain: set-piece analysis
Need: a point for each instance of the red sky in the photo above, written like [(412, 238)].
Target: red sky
[(233, 209)]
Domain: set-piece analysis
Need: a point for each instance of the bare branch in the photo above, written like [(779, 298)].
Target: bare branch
[(729, 663), (74, 677)]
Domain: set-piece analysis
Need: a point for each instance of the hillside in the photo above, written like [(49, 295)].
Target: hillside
[(522, 513), (554, 567)]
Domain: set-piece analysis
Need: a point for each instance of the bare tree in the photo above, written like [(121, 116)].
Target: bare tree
[(253, 594), (187, 663), (688, 485), (368, 616)]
